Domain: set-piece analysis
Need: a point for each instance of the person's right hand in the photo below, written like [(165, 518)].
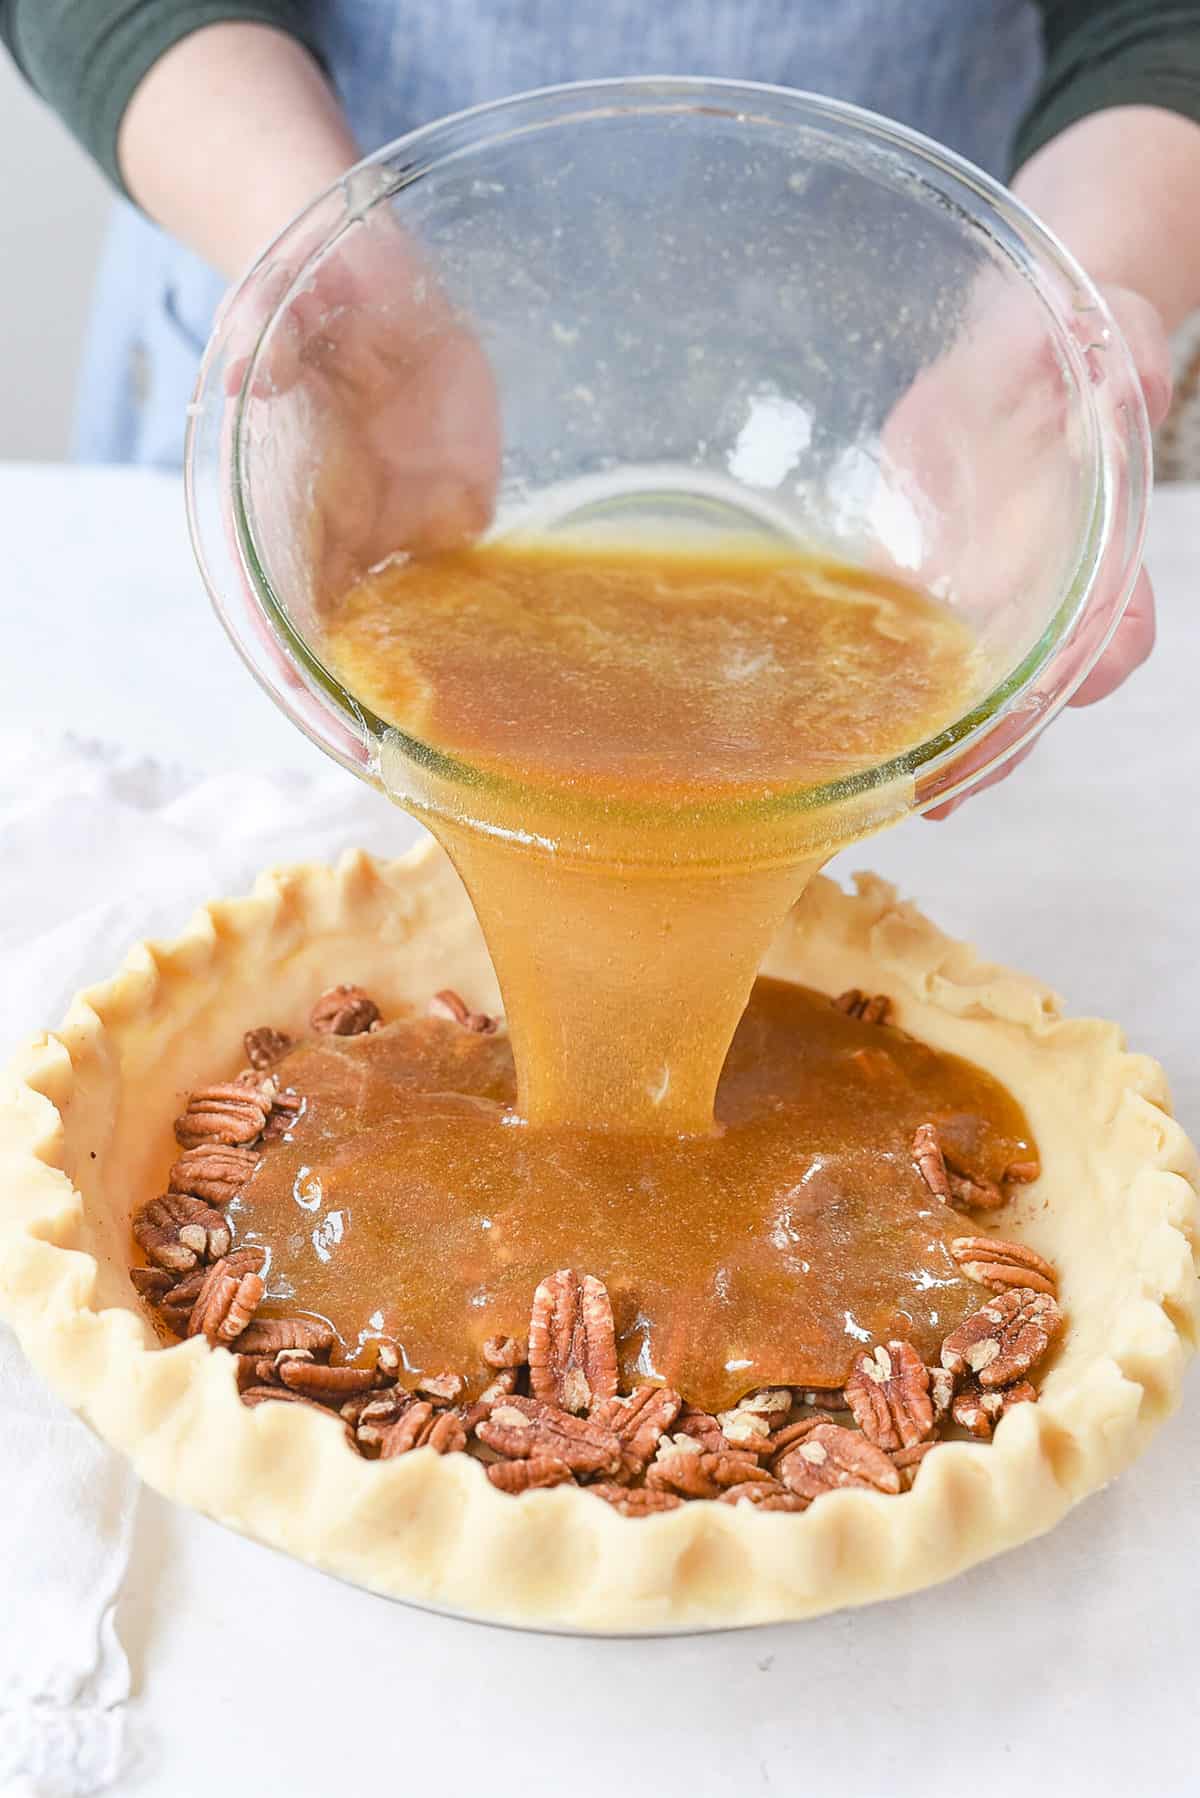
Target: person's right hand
[(384, 394)]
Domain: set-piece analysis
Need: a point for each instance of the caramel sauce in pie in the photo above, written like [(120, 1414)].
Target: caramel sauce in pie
[(410, 1202)]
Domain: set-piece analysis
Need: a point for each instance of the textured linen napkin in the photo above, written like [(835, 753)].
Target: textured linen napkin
[(98, 850)]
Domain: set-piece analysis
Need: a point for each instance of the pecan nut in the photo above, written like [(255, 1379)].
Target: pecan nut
[(343, 1011), (947, 1180), (175, 1306), (275, 1335), (992, 1262), (264, 1047), (316, 1379), (979, 1411), (440, 1388), (970, 1192), (1005, 1339), (941, 1392), (907, 1462), (766, 1495), (230, 1293), (521, 1428), (889, 1395), (178, 1232), (230, 1114), (420, 1425), (639, 1423), (700, 1427), (452, 1006), (871, 1008), (830, 1458), (505, 1351), (931, 1163), (791, 1433), (215, 1172), (153, 1283), (636, 1501), (527, 1476), (703, 1475), (372, 1414), (572, 1343)]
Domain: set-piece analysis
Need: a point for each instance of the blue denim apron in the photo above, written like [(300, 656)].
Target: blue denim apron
[(962, 71)]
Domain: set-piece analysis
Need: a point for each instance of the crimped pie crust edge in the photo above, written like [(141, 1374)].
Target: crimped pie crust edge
[(85, 1126)]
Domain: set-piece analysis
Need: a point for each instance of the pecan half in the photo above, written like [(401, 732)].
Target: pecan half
[(505, 1351), (421, 1426), (636, 1501), (228, 1113), (521, 1428), (889, 1395), (1003, 1340), (830, 1458), (153, 1283), (968, 1192), (284, 1113), (214, 1171), (343, 1011), (572, 1344), (452, 1006), (273, 1335), (1000, 1265), (791, 1433), (316, 1379), (264, 1047), (931, 1163), (979, 1411), (703, 1475), (178, 1232), (745, 1429), (638, 1422), (526, 1476), (702, 1428), (946, 1180), (385, 1402), (175, 1306), (230, 1294), (941, 1392), (440, 1388), (871, 1008), (907, 1462), (372, 1414), (765, 1496)]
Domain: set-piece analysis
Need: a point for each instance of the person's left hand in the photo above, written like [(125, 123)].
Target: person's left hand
[(1142, 327)]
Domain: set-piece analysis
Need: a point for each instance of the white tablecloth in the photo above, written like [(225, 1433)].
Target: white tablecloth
[(1071, 1664)]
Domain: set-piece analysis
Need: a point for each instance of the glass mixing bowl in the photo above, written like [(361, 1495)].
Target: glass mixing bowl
[(703, 307)]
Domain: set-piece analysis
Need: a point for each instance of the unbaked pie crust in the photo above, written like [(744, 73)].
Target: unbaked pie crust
[(85, 1130)]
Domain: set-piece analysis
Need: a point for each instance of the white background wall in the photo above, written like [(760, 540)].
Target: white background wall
[(53, 208)]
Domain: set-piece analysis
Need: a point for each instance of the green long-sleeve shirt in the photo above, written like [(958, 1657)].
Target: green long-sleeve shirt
[(86, 57)]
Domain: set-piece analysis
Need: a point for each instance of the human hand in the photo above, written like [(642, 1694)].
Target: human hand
[(380, 406), (977, 443)]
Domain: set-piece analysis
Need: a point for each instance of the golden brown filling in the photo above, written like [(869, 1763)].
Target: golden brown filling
[(660, 676), (407, 1202), (639, 714)]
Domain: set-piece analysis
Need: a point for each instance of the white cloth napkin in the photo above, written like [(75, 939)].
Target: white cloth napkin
[(99, 850)]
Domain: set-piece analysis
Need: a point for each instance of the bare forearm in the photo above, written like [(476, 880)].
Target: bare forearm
[(1122, 190), (230, 133)]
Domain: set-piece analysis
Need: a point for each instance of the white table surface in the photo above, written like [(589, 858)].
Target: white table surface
[(1071, 1664)]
